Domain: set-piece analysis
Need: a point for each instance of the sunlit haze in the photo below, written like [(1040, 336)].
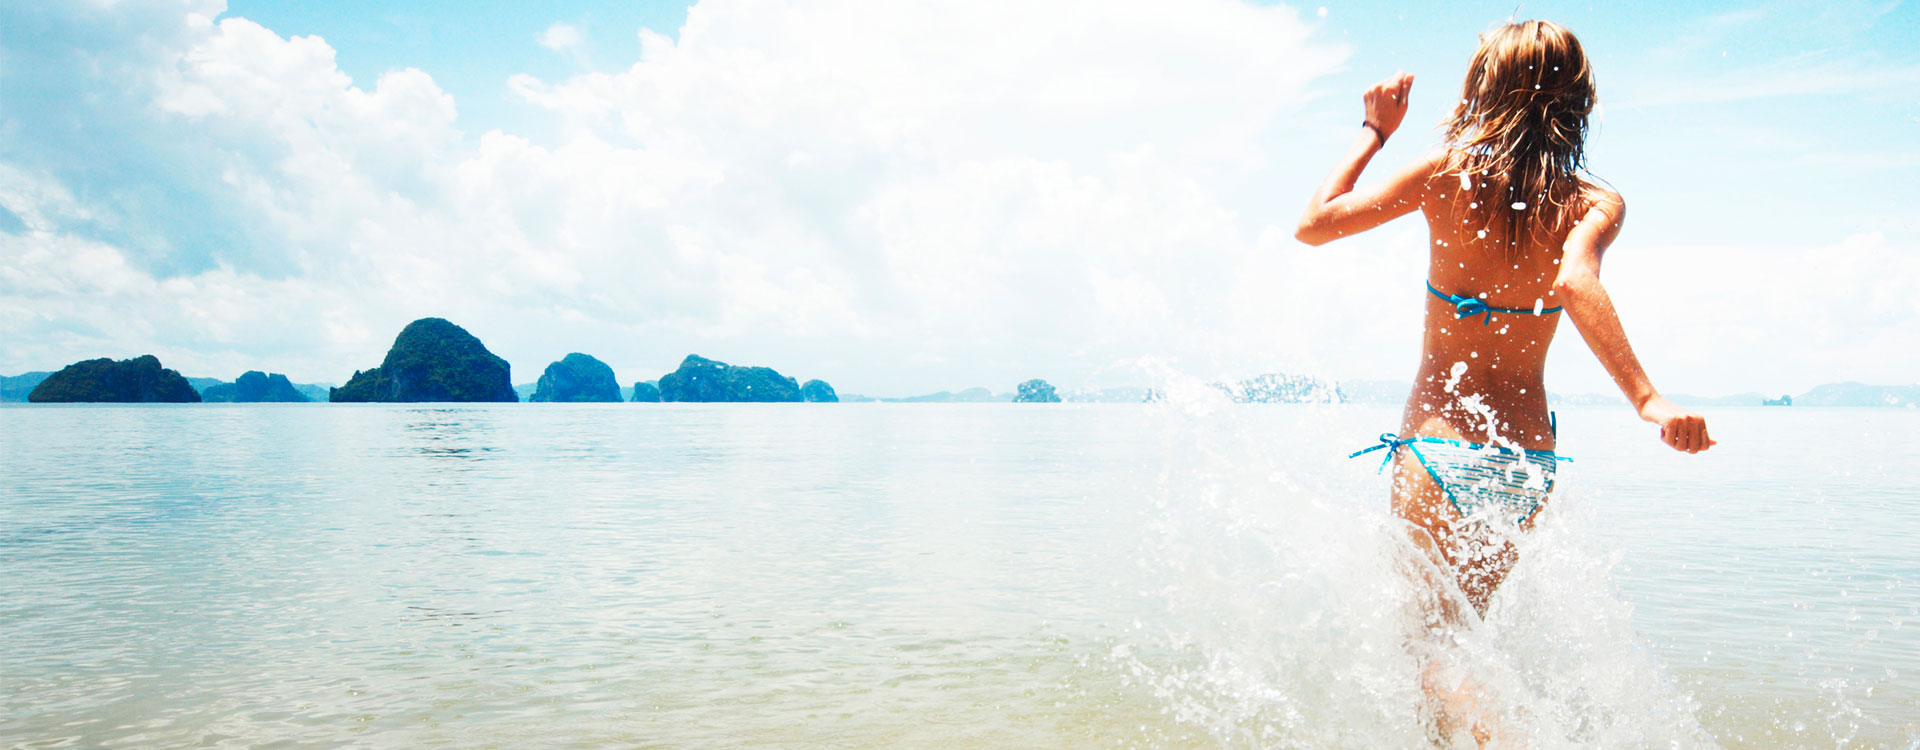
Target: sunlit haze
[(908, 197)]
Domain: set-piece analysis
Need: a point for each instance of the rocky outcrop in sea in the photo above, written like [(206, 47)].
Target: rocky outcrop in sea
[(702, 379), (1280, 388), (646, 392), (577, 378), (432, 360), (817, 391), (254, 387), (140, 380), (1035, 391)]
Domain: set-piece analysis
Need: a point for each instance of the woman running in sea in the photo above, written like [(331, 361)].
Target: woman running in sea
[(1516, 236)]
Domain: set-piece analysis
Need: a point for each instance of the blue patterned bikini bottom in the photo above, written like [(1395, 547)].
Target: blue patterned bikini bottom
[(1476, 476)]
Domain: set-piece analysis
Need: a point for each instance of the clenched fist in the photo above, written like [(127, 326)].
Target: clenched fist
[(1387, 103), (1679, 428)]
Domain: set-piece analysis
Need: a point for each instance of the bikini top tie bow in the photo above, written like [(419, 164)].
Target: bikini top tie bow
[(1466, 307)]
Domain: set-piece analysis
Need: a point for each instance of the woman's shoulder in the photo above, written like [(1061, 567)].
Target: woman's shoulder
[(1592, 195), (1439, 165)]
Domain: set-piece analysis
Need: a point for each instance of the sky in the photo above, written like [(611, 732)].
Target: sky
[(901, 198)]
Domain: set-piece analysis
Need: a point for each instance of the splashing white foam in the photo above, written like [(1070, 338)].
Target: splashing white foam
[(1453, 376), (1298, 613)]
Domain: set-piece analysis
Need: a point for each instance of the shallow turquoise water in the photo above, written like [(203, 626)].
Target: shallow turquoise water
[(914, 576)]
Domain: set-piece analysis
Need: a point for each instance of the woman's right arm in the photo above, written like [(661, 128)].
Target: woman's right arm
[(1579, 291), (1337, 209)]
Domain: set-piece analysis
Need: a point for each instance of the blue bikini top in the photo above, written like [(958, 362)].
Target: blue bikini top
[(1467, 307)]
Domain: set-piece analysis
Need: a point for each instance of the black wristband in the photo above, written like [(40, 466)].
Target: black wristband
[(1376, 131)]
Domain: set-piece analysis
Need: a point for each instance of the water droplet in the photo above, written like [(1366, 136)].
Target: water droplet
[(1483, 234), (1519, 205), (1473, 205), (1538, 305)]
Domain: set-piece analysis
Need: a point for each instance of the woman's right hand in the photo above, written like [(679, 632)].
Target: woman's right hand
[(1681, 429), (1387, 103)]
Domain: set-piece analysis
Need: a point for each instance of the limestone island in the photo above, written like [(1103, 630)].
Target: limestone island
[(705, 380), (140, 380), (577, 378), (255, 387), (817, 391), (646, 392), (432, 360), (1036, 391)]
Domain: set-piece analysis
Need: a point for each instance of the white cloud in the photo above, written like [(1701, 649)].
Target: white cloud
[(892, 196), (931, 181), (561, 37)]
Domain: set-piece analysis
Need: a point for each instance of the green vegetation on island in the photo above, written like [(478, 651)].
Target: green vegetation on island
[(817, 391), (1035, 391), (432, 360), (254, 387), (1281, 388), (706, 380), (140, 380), (577, 378)]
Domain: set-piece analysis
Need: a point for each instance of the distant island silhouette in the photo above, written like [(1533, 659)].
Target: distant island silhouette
[(432, 360), (140, 380), (255, 387), (577, 378)]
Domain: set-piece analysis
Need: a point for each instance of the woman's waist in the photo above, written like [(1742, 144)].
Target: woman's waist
[(1485, 368), (1482, 374), (1509, 408)]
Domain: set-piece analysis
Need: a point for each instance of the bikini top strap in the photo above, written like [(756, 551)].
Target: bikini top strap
[(1467, 307), (1464, 307)]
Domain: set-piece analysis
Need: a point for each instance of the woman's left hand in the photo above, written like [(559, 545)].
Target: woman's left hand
[(1387, 103)]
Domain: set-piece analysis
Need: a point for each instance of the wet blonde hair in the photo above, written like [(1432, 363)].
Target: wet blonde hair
[(1518, 135)]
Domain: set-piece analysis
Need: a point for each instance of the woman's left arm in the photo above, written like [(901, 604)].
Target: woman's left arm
[(1338, 210)]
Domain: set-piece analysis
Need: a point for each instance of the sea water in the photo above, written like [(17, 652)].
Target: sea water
[(1191, 573)]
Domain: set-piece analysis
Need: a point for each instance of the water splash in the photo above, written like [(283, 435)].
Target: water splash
[(1298, 613)]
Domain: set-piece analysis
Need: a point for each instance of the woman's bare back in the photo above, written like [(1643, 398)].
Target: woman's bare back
[(1482, 377)]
